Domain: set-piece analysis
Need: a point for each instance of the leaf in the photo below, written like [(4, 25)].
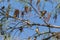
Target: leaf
[(43, 13), (31, 1), (30, 9), (8, 0), (46, 0), (21, 29), (16, 13), (37, 30), (17, 0), (0, 25), (24, 1), (38, 1), (55, 17), (26, 9), (35, 37), (39, 8), (48, 17), (22, 14), (2, 7), (2, 32), (7, 15), (29, 38)]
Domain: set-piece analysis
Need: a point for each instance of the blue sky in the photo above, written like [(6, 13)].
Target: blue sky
[(28, 32)]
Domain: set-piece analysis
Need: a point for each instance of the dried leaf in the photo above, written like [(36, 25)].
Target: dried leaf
[(3, 7), (29, 38), (8, 0), (55, 17), (48, 17), (0, 26), (46, 0), (39, 8), (31, 1), (30, 9), (38, 1), (2, 32), (43, 13), (9, 6), (16, 13), (37, 30), (7, 15), (22, 14), (26, 9), (35, 37), (21, 29), (15, 16)]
